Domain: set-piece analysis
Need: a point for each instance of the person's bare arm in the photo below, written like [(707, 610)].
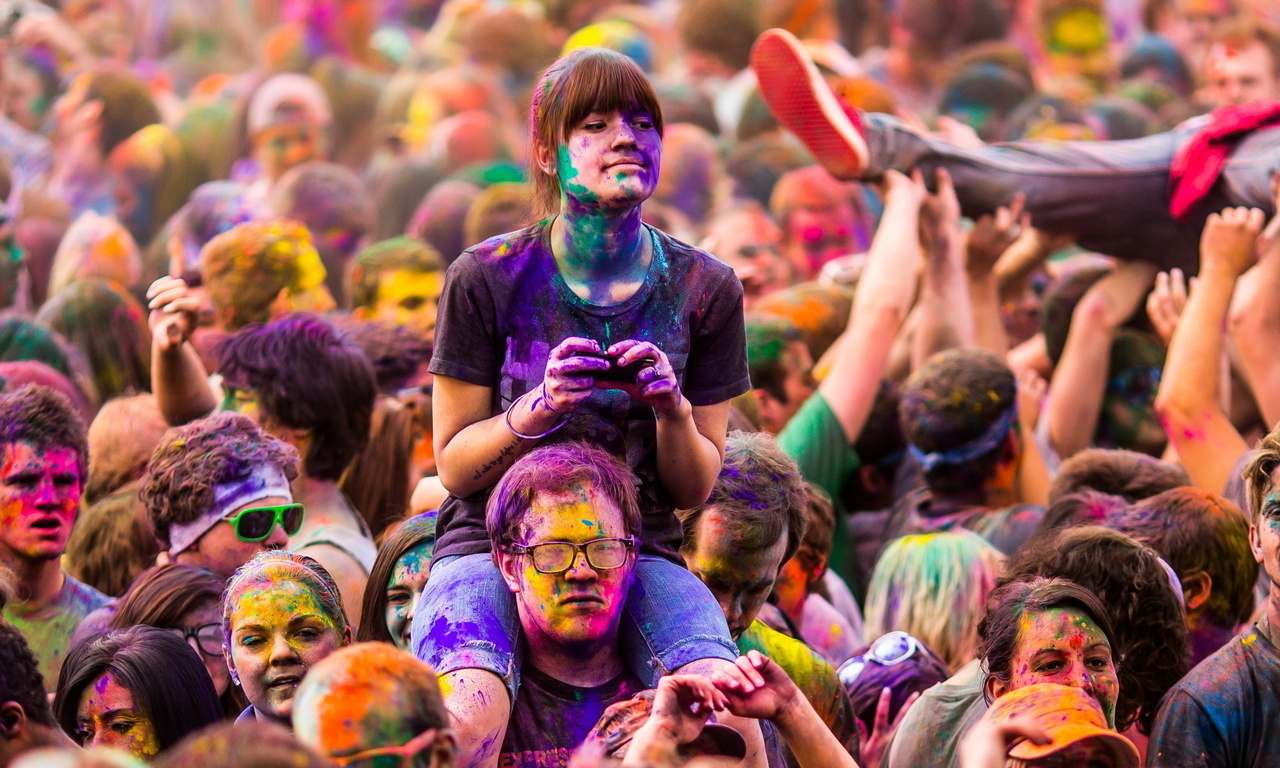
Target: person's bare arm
[(881, 303), (690, 439), (1254, 323), (178, 378), (1188, 400), (1033, 474), (946, 316), (1080, 379), (1021, 259), (992, 236), (691, 452)]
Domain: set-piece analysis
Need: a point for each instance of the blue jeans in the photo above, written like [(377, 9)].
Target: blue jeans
[(1113, 196), (466, 619)]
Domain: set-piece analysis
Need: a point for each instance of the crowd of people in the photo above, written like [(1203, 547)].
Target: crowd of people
[(591, 383)]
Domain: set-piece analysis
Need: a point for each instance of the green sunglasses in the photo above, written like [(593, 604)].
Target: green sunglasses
[(256, 523)]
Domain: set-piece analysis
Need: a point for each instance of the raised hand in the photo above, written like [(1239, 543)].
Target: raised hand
[(173, 313), (682, 704), (1166, 302), (992, 235), (940, 211), (757, 687), (872, 745), (910, 189), (987, 743), (1230, 239)]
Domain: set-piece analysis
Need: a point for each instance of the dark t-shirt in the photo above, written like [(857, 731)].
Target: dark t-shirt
[(1223, 714), (504, 308), (552, 718)]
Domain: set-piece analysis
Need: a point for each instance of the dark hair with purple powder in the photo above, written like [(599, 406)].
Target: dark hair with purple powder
[(1086, 507), (553, 469), (914, 675), (190, 460), (45, 419), (306, 375), (759, 494), (397, 352)]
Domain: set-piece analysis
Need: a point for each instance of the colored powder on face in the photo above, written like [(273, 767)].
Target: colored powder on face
[(567, 173)]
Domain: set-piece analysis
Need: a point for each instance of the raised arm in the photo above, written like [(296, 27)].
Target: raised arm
[(884, 296), (1080, 380), (1255, 325), (992, 236), (1188, 400), (178, 378), (946, 315)]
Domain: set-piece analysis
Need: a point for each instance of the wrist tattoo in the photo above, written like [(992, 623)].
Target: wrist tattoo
[(502, 456)]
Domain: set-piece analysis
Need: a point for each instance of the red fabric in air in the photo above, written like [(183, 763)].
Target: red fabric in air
[(1197, 165)]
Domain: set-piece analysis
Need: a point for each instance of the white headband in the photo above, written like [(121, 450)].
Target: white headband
[(264, 482)]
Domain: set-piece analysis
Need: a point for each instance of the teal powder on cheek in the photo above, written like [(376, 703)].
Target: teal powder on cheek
[(564, 164)]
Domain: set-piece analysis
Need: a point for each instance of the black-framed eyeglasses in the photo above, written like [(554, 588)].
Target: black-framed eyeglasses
[(256, 523), (552, 557), (206, 638), (889, 649)]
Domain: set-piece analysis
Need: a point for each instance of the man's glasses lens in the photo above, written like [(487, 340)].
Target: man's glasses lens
[(256, 524), (291, 520), (557, 557)]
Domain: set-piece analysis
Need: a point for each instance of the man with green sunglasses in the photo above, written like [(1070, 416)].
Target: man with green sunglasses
[(217, 490)]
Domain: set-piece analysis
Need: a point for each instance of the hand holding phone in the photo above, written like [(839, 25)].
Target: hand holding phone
[(622, 374)]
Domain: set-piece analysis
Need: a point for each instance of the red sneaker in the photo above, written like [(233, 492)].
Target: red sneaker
[(803, 102)]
